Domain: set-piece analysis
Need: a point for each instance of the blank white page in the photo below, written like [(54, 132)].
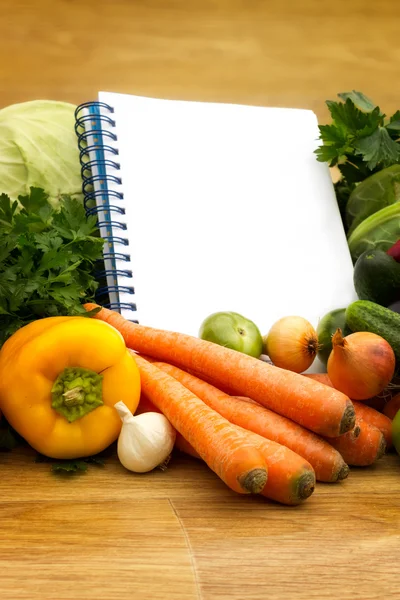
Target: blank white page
[(227, 209)]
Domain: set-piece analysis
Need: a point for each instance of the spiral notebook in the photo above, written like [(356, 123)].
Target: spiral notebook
[(208, 207)]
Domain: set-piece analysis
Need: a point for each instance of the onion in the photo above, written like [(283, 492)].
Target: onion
[(291, 343), (361, 364)]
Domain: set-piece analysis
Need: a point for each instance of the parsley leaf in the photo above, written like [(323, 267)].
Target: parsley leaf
[(352, 121), (378, 148), (75, 465), (47, 259), (359, 100), (394, 122)]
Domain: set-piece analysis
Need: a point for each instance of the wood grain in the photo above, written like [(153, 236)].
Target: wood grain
[(182, 534), (276, 52)]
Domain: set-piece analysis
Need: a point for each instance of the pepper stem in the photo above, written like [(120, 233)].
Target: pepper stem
[(74, 397), (76, 392)]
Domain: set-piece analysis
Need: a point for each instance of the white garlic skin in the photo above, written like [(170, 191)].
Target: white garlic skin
[(145, 441)]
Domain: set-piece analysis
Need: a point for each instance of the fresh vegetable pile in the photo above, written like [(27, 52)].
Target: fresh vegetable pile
[(75, 378)]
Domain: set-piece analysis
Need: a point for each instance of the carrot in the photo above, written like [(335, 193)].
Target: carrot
[(328, 464), (180, 443), (220, 444), (392, 407), (145, 405), (367, 413), (183, 446), (343, 440), (321, 377), (377, 419), (363, 449), (288, 484), (327, 412), (291, 479)]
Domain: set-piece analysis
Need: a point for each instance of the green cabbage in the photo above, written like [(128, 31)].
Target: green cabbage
[(373, 194), (380, 230), (38, 148)]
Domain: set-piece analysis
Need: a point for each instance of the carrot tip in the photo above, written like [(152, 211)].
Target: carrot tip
[(254, 481), (343, 473), (348, 419), (305, 486), (381, 449)]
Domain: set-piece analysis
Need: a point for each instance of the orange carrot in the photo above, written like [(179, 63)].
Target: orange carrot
[(367, 413), (291, 479), (347, 438), (328, 464), (145, 405), (321, 377), (180, 443), (361, 450), (324, 411), (288, 482), (219, 443), (392, 407), (183, 446), (375, 418)]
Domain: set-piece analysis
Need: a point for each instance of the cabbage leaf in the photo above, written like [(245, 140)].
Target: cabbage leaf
[(38, 148), (374, 193), (380, 230)]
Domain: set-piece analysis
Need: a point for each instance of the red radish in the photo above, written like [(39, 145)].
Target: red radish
[(395, 251)]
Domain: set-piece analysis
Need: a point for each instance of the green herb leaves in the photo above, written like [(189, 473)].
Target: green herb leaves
[(71, 466), (360, 141), (378, 148), (46, 259), (359, 131)]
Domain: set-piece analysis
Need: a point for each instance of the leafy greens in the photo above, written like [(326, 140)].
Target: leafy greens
[(46, 259), (360, 141), (360, 135), (371, 195), (71, 466)]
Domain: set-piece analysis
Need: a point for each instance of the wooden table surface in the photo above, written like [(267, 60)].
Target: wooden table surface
[(182, 534)]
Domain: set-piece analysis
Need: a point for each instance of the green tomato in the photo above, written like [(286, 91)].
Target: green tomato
[(233, 331), (396, 431)]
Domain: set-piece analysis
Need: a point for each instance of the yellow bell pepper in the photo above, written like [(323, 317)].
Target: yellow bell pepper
[(59, 380)]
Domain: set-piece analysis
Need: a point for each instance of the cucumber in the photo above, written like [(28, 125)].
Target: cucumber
[(364, 315), (325, 330)]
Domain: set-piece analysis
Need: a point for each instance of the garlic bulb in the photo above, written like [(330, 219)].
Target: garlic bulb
[(145, 441)]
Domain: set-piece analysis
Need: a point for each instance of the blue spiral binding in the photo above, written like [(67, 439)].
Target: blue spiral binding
[(88, 126)]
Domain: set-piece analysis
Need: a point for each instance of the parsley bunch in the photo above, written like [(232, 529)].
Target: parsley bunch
[(46, 259), (360, 141)]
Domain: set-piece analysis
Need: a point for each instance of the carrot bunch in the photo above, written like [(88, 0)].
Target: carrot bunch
[(275, 433)]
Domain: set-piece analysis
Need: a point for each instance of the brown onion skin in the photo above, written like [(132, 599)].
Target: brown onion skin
[(361, 364), (292, 344)]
